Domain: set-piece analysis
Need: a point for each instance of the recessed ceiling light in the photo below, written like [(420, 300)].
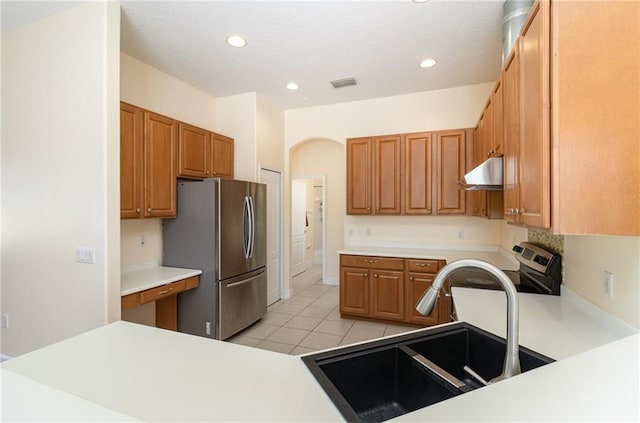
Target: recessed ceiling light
[(292, 86), (236, 41), (427, 63), (420, 1)]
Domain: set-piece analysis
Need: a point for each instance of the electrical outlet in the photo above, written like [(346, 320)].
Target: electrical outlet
[(607, 282), (460, 233), (85, 255), (207, 328), (5, 321)]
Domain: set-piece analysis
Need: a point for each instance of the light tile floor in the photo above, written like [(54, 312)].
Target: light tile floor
[(310, 321)]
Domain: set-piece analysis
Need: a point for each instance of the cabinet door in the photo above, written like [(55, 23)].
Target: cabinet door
[(417, 285), (131, 140), (354, 291), (450, 160), (497, 103), (418, 170), (387, 294), (387, 174), (359, 174), (486, 131), (511, 81), (222, 156), (160, 145), (194, 152), (534, 117)]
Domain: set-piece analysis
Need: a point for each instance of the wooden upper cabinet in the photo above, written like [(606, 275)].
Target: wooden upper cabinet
[(160, 170), (386, 174), (222, 156), (131, 162), (418, 171), (194, 152), (534, 166), (497, 102), (148, 154), (596, 117), (359, 174), (511, 118), (450, 169)]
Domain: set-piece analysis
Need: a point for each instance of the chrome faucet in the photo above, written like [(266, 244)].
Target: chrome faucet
[(428, 300)]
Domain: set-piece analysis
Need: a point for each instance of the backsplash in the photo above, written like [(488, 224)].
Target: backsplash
[(553, 243)]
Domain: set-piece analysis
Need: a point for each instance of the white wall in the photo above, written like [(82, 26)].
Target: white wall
[(585, 259), (60, 175), (425, 111)]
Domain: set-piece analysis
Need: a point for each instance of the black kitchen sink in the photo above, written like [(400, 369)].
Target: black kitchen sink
[(382, 379)]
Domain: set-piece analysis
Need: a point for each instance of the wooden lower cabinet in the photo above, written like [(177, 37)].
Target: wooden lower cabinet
[(385, 288), (387, 294), (354, 291)]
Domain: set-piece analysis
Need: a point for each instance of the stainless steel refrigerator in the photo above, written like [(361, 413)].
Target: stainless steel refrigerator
[(220, 229)]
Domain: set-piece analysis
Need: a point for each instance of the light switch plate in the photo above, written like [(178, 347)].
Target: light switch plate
[(85, 255)]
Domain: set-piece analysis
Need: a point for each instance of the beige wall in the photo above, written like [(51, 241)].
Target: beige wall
[(148, 87), (585, 259), (237, 118), (60, 175), (270, 134)]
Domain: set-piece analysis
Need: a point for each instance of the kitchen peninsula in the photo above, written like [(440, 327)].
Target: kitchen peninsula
[(116, 368)]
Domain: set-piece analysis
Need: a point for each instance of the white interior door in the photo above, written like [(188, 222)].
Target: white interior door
[(274, 247), (298, 219)]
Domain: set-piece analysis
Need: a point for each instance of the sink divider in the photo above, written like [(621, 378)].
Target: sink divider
[(433, 369)]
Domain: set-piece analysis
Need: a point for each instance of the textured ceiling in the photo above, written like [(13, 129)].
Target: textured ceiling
[(380, 43)]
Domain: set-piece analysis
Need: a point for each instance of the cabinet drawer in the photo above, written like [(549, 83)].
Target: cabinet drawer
[(424, 266), (372, 262), (162, 291)]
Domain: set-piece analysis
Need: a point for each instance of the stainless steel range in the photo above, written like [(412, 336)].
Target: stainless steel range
[(539, 273)]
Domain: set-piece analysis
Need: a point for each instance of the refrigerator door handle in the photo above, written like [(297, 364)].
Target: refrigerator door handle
[(253, 227), (246, 218)]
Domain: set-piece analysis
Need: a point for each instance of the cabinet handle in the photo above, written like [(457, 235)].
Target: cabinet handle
[(166, 291), (366, 274), (421, 264), (368, 208), (149, 209), (138, 210), (410, 278), (375, 275)]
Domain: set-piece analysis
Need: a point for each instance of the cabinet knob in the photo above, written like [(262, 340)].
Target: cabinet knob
[(368, 208), (138, 210), (366, 274), (375, 275), (149, 209), (410, 278)]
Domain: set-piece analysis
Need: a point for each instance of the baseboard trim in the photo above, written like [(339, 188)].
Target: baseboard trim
[(330, 280)]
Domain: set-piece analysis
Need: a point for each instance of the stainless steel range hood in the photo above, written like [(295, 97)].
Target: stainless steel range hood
[(487, 176)]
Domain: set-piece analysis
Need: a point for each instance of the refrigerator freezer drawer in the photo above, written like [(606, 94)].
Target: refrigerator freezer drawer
[(242, 301)]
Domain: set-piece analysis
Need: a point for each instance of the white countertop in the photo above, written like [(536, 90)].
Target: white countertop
[(146, 276), (153, 374), (497, 256)]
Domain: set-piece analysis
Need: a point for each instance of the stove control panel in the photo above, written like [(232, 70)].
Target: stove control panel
[(533, 256)]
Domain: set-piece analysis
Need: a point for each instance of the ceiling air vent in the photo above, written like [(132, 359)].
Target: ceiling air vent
[(344, 82)]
